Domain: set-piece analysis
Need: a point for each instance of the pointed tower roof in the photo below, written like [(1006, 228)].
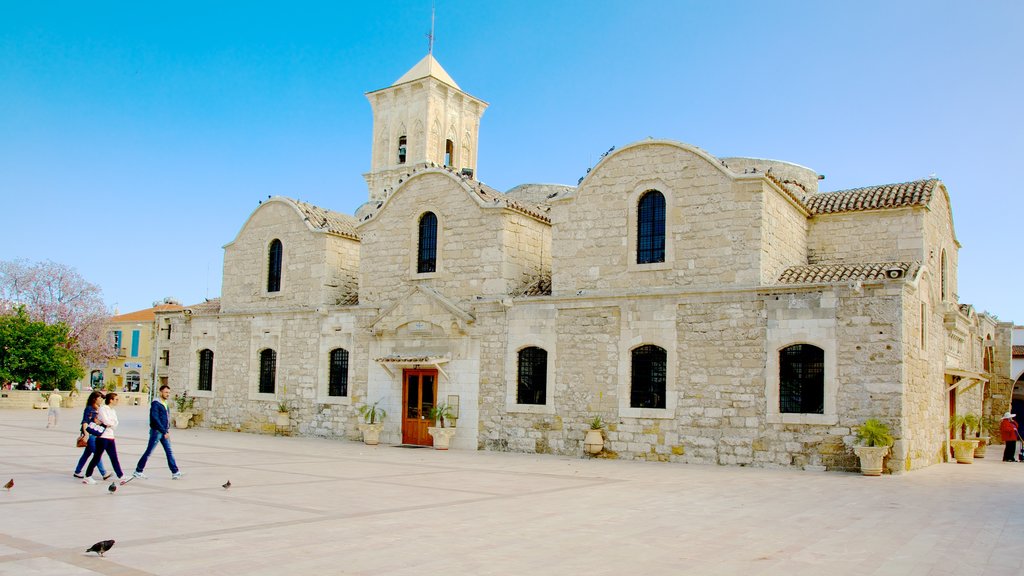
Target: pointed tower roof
[(429, 66)]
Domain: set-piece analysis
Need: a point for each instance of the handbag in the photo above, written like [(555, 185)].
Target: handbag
[(81, 442), (95, 428)]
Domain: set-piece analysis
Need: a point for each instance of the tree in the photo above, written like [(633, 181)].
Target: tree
[(55, 293), (36, 350)]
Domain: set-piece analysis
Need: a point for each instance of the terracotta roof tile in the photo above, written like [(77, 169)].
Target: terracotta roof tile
[(1018, 351), (328, 220), (829, 273), (536, 286), (211, 306), (917, 193), (145, 315)]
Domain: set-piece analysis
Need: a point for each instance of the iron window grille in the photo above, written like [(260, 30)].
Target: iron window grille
[(532, 385), (205, 370), (802, 379), (275, 256), (648, 383), (427, 258), (268, 371), (650, 246), (337, 384)]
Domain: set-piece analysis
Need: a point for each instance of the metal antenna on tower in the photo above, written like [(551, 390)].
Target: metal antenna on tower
[(430, 37)]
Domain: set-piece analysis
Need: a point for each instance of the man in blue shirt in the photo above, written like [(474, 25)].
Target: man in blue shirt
[(159, 424)]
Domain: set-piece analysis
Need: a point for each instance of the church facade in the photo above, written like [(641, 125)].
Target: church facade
[(708, 310)]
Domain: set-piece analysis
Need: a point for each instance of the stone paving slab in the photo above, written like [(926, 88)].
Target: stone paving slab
[(316, 506)]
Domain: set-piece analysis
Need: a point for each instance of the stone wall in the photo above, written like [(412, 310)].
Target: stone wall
[(871, 236)]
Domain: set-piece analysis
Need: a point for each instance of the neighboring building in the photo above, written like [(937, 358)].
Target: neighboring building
[(131, 338), (710, 310)]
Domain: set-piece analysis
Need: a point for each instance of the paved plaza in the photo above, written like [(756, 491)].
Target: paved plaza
[(315, 506)]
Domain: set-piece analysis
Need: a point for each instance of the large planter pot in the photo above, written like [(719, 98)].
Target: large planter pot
[(442, 437), (979, 452), (371, 433), (871, 459), (594, 442), (283, 419), (181, 419), (963, 450)]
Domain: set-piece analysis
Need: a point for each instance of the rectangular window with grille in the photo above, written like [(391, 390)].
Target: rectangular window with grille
[(338, 382)]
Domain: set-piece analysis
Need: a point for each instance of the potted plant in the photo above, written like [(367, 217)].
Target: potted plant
[(963, 426), (184, 404), (593, 443), (442, 436), (373, 422), (984, 434), (874, 442)]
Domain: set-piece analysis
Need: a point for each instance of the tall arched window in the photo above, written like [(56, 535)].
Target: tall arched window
[(650, 238), (532, 384), (337, 383), (449, 152), (268, 371), (802, 379), (648, 382), (205, 370), (401, 149), (426, 260), (274, 257), (944, 277)]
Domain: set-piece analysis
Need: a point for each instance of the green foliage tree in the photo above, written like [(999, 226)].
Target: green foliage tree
[(45, 353)]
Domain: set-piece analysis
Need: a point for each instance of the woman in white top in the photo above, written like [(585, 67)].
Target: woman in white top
[(105, 443)]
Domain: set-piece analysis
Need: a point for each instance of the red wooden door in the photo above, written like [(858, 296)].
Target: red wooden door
[(418, 393)]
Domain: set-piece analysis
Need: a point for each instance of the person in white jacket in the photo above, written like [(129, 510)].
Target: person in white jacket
[(107, 416)]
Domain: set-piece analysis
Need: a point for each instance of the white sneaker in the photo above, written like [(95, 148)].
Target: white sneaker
[(88, 480), (176, 476), (140, 475)]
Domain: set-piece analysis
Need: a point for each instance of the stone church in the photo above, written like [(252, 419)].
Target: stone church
[(708, 310)]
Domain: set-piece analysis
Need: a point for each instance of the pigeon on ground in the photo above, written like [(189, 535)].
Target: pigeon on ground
[(226, 485), (10, 484), (112, 488), (101, 547)]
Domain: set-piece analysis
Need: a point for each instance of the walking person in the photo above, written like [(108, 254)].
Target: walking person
[(105, 443), (92, 406), (54, 401), (1008, 432), (159, 431)]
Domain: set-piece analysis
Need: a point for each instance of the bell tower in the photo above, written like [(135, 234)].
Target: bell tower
[(422, 119)]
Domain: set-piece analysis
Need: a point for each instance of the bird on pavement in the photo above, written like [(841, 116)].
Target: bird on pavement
[(101, 547), (226, 485), (112, 488), (10, 484)]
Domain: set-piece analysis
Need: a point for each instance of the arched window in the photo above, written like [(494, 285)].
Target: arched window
[(943, 277), (275, 254), (401, 149), (205, 370), (802, 379), (268, 371), (650, 239), (648, 382), (337, 383), (449, 152), (426, 260), (532, 384)]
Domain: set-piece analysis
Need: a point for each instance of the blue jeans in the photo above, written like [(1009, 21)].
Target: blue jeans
[(89, 449), (154, 437), (108, 446)]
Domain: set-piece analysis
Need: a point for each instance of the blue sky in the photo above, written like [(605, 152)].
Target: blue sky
[(135, 139)]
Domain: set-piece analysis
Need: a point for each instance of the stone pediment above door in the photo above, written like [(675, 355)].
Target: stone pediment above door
[(422, 311)]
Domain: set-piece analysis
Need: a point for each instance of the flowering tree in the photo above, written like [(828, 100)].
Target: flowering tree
[(55, 293)]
